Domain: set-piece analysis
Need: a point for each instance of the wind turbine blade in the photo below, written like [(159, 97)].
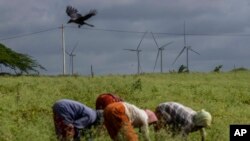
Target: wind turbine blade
[(74, 48), (166, 44), (194, 51), (156, 59), (179, 54), (141, 40), (130, 49), (155, 40), (67, 52)]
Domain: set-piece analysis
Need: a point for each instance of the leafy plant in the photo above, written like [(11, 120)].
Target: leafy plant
[(183, 69), (239, 69), (136, 85), (20, 63), (217, 68)]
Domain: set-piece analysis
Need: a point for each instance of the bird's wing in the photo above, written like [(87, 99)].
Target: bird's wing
[(89, 15), (72, 12)]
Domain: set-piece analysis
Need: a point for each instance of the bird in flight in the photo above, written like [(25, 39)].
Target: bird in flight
[(77, 18)]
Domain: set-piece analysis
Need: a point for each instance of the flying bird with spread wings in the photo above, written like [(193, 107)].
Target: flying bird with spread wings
[(77, 18)]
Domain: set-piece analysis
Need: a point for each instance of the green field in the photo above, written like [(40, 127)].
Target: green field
[(25, 101)]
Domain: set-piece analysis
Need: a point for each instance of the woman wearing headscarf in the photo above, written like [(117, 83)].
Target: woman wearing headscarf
[(105, 99), (120, 118), (182, 119), (70, 117)]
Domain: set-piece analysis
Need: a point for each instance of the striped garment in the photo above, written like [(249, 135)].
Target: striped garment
[(177, 115), (178, 118)]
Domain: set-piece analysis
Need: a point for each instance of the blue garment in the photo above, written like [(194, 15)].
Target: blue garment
[(76, 113)]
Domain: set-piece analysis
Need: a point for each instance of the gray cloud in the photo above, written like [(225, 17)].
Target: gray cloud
[(104, 48)]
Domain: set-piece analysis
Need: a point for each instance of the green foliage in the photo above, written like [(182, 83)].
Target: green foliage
[(217, 68), (137, 85), (25, 101), (20, 63), (182, 69), (239, 69)]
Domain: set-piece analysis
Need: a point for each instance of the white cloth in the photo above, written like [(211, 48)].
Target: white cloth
[(138, 118)]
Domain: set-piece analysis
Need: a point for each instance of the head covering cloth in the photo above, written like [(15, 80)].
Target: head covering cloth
[(203, 118)]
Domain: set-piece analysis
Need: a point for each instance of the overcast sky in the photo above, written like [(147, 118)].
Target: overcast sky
[(219, 30)]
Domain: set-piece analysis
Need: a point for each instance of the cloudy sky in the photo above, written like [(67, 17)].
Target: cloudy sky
[(217, 29)]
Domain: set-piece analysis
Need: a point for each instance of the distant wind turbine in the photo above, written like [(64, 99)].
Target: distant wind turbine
[(71, 55), (187, 48), (160, 49), (137, 50)]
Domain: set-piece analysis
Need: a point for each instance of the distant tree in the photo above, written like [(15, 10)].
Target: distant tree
[(217, 68), (182, 69), (20, 63), (239, 69)]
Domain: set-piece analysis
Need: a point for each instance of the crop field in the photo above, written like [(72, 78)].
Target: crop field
[(25, 101)]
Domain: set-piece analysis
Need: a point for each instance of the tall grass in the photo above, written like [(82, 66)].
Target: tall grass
[(25, 101)]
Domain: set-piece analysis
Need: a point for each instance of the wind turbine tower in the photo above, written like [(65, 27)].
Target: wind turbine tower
[(71, 55), (187, 48), (160, 50), (137, 50), (63, 50)]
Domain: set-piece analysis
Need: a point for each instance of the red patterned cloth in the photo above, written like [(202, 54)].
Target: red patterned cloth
[(105, 99), (64, 131)]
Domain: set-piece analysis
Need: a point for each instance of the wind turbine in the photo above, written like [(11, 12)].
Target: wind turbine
[(137, 50), (71, 55), (187, 48), (160, 49)]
